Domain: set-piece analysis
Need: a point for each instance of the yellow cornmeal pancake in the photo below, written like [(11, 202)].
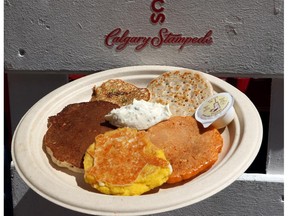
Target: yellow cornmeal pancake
[(125, 162)]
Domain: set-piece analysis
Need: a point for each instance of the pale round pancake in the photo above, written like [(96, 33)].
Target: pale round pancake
[(183, 90)]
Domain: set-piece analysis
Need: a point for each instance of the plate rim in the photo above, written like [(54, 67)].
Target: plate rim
[(124, 70)]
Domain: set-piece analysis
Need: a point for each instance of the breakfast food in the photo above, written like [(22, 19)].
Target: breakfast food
[(140, 115), (119, 92), (183, 90), (72, 130), (189, 147), (125, 162), (129, 140)]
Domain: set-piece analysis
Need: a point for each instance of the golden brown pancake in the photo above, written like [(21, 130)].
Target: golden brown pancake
[(189, 147), (72, 130), (119, 92)]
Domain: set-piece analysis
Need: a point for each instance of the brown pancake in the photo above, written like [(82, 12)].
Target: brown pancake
[(189, 147), (72, 130), (119, 92)]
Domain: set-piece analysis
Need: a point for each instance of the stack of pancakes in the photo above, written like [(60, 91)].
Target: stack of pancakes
[(80, 129)]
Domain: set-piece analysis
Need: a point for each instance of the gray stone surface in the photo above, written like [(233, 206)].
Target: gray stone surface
[(69, 35)]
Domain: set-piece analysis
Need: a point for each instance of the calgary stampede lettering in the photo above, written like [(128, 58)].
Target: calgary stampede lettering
[(122, 38)]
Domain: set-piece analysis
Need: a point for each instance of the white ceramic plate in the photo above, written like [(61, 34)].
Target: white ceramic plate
[(242, 140)]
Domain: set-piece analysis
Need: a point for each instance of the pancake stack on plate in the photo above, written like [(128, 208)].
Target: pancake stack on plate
[(126, 161)]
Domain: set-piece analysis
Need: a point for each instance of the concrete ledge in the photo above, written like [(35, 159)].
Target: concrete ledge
[(251, 194)]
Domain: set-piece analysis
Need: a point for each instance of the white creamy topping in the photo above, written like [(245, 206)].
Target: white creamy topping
[(170, 168), (140, 115), (101, 184)]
